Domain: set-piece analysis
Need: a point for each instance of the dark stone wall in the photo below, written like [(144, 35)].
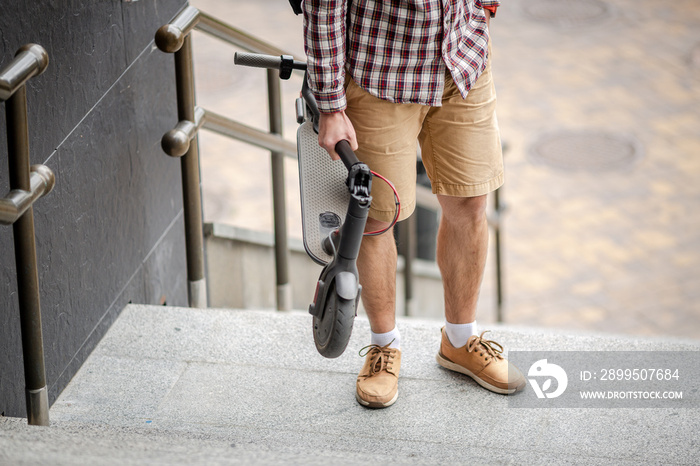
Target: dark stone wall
[(111, 231)]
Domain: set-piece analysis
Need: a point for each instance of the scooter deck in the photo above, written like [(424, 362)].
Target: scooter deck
[(324, 195)]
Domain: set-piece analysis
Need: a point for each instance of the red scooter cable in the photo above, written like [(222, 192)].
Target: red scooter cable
[(398, 207)]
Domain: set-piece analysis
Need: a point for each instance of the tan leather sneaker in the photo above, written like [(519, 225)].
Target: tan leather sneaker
[(481, 360), (378, 382)]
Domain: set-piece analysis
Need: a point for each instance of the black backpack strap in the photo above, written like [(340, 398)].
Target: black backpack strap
[(296, 6)]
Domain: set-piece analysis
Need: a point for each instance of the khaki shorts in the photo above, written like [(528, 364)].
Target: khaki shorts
[(460, 144)]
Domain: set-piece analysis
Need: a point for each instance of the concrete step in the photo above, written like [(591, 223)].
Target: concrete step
[(180, 386)]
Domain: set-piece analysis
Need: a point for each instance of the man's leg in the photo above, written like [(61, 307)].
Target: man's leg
[(386, 135), (377, 267), (461, 255), (462, 245), (377, 383)]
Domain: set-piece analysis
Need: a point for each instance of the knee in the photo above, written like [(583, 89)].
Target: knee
[(378, 245), (470, 210), (376, 225)]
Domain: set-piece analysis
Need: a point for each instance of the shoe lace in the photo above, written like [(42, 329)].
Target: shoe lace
[(381, 357), (490, 347)]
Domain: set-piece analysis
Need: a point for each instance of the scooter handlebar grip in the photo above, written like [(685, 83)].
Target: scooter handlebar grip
[(257, 60), (346, 154)]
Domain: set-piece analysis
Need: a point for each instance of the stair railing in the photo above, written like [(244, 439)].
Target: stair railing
[(27, 184), (182, 142)]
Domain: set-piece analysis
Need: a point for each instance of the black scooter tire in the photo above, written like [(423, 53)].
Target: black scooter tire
[(332, 330)]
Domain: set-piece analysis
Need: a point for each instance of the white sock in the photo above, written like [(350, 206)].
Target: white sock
[(458, 334), (392, 338)]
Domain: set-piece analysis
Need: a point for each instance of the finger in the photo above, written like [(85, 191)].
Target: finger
[(352, 139), (328, 146)]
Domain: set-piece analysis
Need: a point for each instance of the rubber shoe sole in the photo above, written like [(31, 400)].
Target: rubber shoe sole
[(447, 364), (376, 405)]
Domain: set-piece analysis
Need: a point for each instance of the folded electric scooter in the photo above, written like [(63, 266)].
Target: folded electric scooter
[(335, 201)]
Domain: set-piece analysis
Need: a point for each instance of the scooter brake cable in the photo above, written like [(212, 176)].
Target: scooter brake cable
[(398, 207)]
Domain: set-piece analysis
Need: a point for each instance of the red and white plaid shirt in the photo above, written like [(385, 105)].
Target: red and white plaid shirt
[(396, 50)]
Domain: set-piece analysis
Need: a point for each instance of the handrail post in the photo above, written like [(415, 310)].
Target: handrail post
[(498, 209), (284, 289), (191, 182), (496, 222), (407, 235), (31, 60), (175, 38)]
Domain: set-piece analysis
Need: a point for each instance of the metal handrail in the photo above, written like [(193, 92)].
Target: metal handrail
[(228, 34), (27, 184), (233, 129), (235, 37), (176, 142), (30, 60), (175, 38), (16, 203)]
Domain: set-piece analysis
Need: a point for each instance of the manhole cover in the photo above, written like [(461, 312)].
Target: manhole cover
[(586, 151), (566, 13)]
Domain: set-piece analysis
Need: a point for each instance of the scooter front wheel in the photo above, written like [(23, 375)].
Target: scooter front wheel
[(333, 328)]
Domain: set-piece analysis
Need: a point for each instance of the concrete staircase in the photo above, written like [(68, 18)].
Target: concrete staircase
[(182, 386)]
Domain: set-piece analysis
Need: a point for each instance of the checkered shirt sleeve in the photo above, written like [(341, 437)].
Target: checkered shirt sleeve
[(324, 26)]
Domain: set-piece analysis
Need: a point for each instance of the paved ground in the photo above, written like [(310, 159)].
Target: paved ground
[(612, 250), (188, 386)]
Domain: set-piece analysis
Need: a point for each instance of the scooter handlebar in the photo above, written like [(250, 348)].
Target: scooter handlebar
[(257, 60), (346, 154), (284, 63)]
